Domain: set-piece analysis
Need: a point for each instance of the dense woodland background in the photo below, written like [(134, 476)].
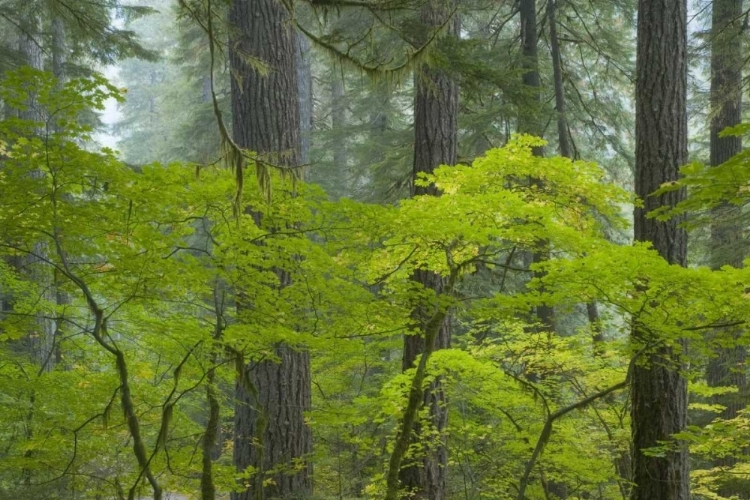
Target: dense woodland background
[(374, 249)]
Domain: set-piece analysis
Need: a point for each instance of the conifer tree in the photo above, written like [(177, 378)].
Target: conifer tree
[(272, 435), (659, 388), (436, 143)]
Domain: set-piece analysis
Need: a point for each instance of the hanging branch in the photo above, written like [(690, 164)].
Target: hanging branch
[(102, 337), (232, 154), (376, 71)]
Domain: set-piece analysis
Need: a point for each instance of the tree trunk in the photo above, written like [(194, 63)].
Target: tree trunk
[(338, 123), (435, 144), (726, 107), (528, 121), (266, 119), (305, 86), (562, 123), (728, 367), (59, 48), (659, 391)]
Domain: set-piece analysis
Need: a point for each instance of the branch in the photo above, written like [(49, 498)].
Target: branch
[(416, 397)]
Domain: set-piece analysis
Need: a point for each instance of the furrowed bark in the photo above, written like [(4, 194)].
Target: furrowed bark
[(266, 120), (436, 143), (727, 367), (658, 389)]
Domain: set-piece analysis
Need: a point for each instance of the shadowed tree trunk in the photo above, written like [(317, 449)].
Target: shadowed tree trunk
[(529, 123), (435, 144), (266, 119), (41, 343), (728, 367), (658, 390)]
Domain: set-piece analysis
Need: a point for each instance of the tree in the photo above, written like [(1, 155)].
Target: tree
[(272, 435), (529, 121), (659, 388), (435, 144), (727, 366)]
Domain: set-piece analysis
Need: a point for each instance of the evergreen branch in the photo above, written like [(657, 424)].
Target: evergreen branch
[(417, 56)]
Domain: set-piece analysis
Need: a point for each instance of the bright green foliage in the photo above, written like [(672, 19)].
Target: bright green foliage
[(711, 186), (151, 259)]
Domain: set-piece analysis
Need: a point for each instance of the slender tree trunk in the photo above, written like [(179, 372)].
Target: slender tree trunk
[(338, 123), (658, 390), (565, 141), (305, 86), (436, 143), (728, 367), (530, 124), (528, 121), (562, 123), (266, 119)]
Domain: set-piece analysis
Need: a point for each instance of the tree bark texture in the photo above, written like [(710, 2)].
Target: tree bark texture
[(435, 144), (286, 444), (305, 86), (265, 107), (658, 390), (528, 123), (726, 107), (271, 433), (728, 367)]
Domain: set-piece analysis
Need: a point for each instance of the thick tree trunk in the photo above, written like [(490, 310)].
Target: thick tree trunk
[(59, 48), (728, 367), (266, 119), (659, 391), (435, 144)]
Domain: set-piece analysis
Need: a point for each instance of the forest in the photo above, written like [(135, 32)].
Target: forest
[(374, 249)]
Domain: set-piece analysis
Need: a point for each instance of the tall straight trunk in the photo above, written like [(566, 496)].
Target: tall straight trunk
[(59, 61), (565, 142), (563, 135), (271, 434), (728, 367), (59, 48), (41, 342), (338, 123), (435, 144), (528, 123), (622, 460), (726, 111), (658, 390), (305, 86)]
